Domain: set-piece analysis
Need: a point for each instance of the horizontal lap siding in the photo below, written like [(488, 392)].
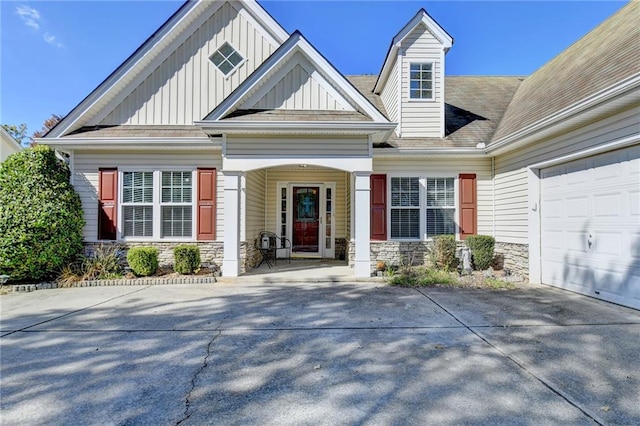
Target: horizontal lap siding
[(390, 94), (312, 176), (187, 86), (255, 204), (481, 167), (296, 148), (511, 182), (86, 165), (418, 117)]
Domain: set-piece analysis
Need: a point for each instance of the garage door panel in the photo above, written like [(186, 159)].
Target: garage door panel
[(634, 203), (598, 197), (577, 207), (608, 244), (607, 205)]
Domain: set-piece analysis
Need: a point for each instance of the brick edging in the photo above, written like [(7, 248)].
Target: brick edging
[(23, 288)]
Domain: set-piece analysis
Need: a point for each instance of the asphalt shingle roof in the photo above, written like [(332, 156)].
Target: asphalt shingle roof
[(473, 109), (604, 57)]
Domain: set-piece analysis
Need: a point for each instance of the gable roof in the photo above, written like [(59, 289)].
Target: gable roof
[(267, 75), (420, 18), (187, 19), (604, 58)]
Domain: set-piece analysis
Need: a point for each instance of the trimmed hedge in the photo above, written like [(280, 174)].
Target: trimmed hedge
[(143, 261), (186, 259), (40, 215), (444, 252), (482, 247)]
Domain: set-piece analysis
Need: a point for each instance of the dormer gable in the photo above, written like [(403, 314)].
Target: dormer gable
[(411, 82)]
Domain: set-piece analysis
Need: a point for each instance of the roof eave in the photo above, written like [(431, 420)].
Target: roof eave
[(627, 92)]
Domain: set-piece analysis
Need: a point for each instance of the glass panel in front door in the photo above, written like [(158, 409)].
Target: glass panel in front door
[(306, 219)]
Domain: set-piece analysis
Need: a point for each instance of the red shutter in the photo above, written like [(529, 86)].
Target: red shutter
[(468, 205), (107, 203), (378, 207), (206, 215)]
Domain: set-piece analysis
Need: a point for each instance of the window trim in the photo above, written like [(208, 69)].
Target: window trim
[(433, 82), (235, 68), (157, 204), (422, 179)]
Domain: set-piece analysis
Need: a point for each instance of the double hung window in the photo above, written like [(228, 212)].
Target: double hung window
[(421, 80), (422, 207), (157, 204)]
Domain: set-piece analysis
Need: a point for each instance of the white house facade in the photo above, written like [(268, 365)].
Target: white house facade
[(222, 125)]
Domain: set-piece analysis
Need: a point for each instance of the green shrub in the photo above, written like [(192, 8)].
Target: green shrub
[(423, 277), (481, 250), (444, 252), (40, 215), (143, 260), (186, 259)]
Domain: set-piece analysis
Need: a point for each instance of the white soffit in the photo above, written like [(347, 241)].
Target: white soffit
[(322, 71), (177, 29)]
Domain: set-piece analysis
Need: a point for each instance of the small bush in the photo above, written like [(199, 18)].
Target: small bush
[(186, 259), (481, 250), (143, 260), (444, 252), (104, 263)]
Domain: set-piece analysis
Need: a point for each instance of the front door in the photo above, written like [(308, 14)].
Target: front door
[(306, 220)]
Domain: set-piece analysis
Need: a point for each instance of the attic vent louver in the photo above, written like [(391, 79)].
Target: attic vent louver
[(226, 58)]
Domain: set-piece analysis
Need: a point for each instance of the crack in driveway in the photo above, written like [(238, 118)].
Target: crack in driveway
[(187, 400)]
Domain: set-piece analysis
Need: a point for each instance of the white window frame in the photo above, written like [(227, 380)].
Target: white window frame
[(422, 179), (427, 208), (433, 81), (124, 204), (235, 68), (157, 204), (418, 207), (174, 204)]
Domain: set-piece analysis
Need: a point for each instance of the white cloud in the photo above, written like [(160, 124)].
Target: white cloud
[(52, 40), (29, 16)]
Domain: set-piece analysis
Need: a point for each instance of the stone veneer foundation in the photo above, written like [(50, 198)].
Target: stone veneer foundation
[(513, 257)]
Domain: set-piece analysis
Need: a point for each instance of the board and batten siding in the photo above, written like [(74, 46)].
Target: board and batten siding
[(511, 183), (255, 203), (422, 118), (85, 178), (281, 147), (299, 90), (308, 175), (391, 92), (187, 86), (481, 167)]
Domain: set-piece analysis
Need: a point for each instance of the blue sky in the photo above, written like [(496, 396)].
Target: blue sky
[(54, 53)]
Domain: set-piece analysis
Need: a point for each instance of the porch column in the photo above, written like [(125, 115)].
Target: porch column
[(362, 231), (232, 193)]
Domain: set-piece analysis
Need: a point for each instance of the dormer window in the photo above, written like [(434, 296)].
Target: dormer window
[(421, 80), (226, 58)]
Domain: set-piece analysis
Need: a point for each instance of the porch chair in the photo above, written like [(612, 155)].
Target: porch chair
[(268, 244)]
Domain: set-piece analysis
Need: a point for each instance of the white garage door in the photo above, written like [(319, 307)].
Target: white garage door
[(590, 226)]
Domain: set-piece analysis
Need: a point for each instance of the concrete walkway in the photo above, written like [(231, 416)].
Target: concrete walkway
[(341, 353)]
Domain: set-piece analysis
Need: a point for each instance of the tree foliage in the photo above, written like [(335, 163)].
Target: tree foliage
[(48, 124), (40, 215), (18, 132)]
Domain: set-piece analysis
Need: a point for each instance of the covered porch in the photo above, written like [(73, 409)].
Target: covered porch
[(319, 211)]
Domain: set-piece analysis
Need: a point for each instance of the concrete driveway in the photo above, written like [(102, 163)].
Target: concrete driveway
[(316, 354)]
